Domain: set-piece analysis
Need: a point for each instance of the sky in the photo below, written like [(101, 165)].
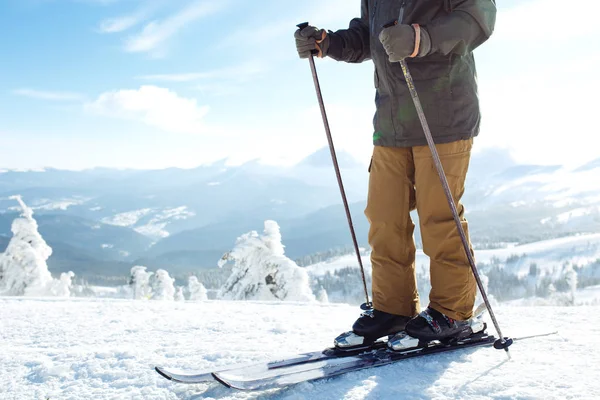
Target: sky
[(163, 83)]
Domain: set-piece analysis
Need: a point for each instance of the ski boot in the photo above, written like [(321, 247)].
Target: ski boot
[(371, 326), (431, 325)]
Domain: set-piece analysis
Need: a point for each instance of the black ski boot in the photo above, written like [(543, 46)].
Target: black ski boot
[(376, 324), (372, 325), (432, 325)]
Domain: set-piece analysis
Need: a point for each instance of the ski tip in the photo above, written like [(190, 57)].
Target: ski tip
[(163, 373)]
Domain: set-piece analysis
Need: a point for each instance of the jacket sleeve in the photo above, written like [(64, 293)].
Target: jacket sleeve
[(469, 24), (352, 44)]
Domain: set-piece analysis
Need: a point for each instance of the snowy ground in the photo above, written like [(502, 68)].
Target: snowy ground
[(106, 349)]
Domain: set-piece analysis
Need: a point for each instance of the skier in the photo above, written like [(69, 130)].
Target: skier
[(437, 39)]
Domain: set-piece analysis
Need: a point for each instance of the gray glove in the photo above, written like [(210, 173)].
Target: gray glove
[(400, 42), (311, 39)]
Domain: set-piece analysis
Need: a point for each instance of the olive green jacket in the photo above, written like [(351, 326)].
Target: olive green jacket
[(445, 79)]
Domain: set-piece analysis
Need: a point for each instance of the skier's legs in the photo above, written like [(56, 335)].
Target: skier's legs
[(453, 287), (391, 198)]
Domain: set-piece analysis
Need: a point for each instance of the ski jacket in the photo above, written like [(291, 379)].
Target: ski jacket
[(445, 79)]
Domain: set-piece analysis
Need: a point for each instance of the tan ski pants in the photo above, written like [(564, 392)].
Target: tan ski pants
[(402, 179)]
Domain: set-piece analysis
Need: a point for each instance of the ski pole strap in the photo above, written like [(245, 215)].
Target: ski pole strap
[(323, 36), (417, 29)]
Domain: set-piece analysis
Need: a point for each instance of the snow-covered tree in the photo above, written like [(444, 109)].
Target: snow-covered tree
[(571, 278), (261, 271), (140, 283), (23, 268), (162, 286), (322, 295), (196, 289), (179, 294)]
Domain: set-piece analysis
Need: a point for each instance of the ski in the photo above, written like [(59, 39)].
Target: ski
[(334, 366), (262, 367), (256, 369)]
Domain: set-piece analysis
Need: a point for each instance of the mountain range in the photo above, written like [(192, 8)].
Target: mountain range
[(100, 222)]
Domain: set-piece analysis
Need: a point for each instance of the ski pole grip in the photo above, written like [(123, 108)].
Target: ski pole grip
[(305, 25)]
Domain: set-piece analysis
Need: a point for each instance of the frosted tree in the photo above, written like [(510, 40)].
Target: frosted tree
[(261, 271), (570, 277), (196, 289), (162, 286), (140, 283), (179, 294), (62, 287), (322, 295), (23, 268)]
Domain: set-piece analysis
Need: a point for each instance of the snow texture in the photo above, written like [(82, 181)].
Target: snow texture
[(261, 271), (23, 268), (100, 349)]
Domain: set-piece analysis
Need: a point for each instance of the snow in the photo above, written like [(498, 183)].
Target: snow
[(106, 349), (156, 226), (23, 268), (196, 290), (127, 219), (589, 295), (62, 204), (163, 286), (261, 271), (548, 254)]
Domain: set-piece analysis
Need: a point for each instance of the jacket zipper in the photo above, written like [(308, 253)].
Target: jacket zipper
[(401, 15), (400, 18)]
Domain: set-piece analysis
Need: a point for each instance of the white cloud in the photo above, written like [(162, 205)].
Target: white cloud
[(120, 24), (153, 106), (125, 22), (48, 95), (156, 33)]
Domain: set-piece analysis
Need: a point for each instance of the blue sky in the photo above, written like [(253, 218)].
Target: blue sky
[(157, 83)]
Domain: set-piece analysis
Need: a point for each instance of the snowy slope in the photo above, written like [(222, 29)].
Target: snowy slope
[(548, 254), (105, 349)]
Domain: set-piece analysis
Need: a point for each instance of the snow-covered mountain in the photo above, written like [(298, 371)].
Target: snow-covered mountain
[(106, 349), (185, 219)]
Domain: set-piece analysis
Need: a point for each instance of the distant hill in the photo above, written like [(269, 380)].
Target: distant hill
[(104, 221)]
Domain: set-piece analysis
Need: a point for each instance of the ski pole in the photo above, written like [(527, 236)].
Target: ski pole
[(338, 174), (502, 342)]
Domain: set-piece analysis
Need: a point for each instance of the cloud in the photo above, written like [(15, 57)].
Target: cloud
[(239, 72), (120, 24), (153, 106), (48, 95), (156, 33), (125, 22)]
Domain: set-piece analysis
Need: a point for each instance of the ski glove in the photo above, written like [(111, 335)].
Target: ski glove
[(311, 39), (401, 41)]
